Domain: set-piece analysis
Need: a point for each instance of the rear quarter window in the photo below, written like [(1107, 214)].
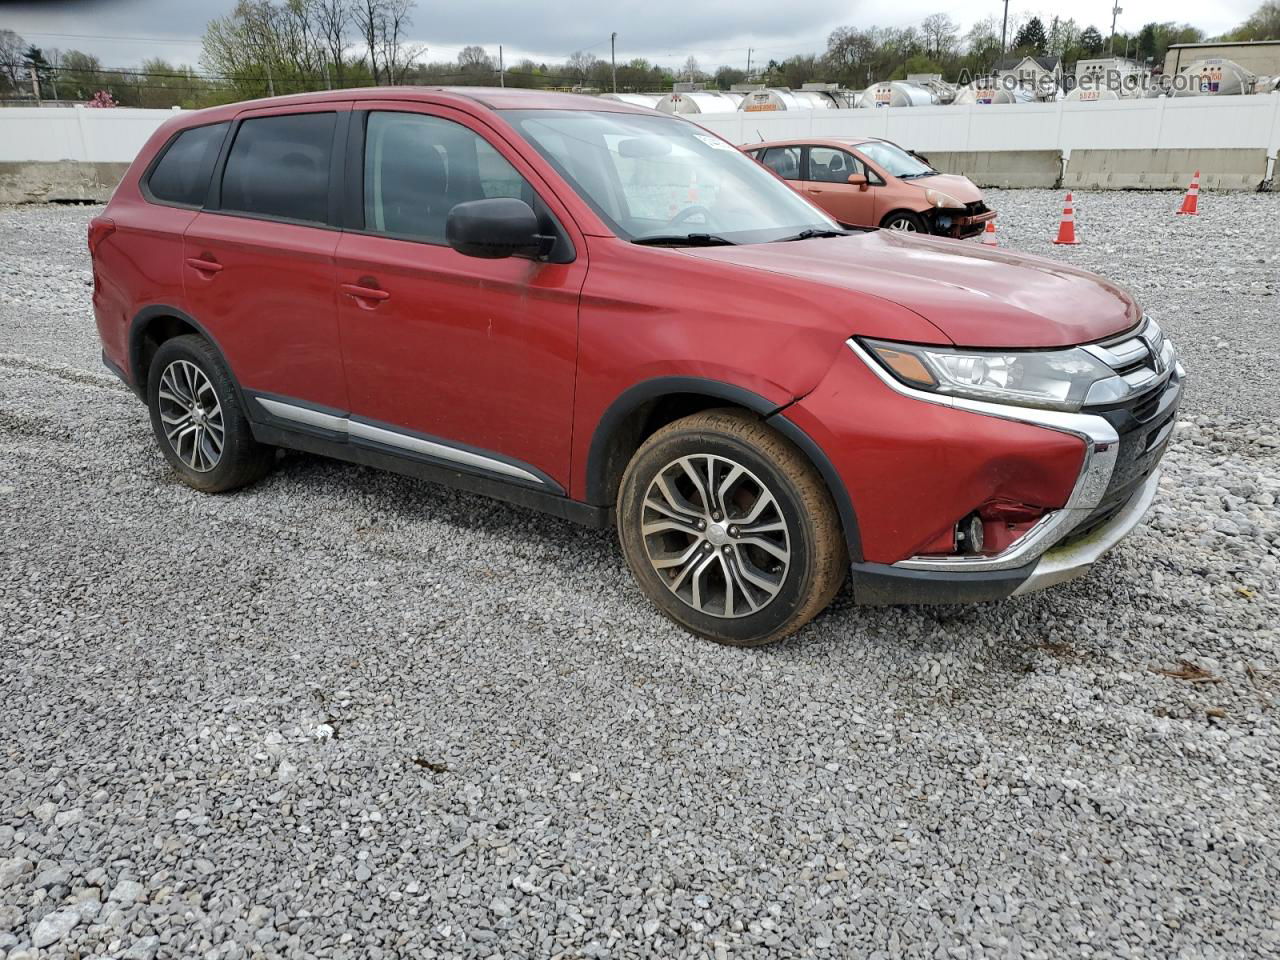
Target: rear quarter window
[(182, 173), (279, 167)]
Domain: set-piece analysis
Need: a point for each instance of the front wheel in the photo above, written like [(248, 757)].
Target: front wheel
[(905, 221), (729, 530)]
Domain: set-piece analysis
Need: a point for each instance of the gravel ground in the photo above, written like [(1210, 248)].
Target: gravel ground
[(346, 714)]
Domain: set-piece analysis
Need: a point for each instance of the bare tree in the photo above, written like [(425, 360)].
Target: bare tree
[(11, 59), (368, 16), (579, 65), (690, 68), (332, 18), (397, 56), (940, 34)]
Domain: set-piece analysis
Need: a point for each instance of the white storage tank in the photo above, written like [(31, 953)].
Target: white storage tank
[(1091, 95), (697, 101), (896, 93), (1214, 77), (993, 91), (773, 99), (649, 100)]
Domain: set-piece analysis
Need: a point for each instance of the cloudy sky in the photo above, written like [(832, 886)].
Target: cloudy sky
[(124, 32)]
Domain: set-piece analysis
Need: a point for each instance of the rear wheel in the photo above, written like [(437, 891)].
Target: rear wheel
[(197, 420), (729, 530), (905, 221)]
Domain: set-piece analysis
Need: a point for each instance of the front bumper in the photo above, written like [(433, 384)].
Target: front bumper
[(959, 224), (1124, 444), (882, 584)]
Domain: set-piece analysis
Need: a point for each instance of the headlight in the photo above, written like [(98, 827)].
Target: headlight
[(1052, 379), (937, 198)]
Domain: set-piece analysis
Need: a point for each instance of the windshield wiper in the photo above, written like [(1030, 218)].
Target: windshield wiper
[(684, 240), (912, 176), (811, 234)]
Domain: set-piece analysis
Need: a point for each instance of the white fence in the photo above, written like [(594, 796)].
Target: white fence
[(115, 135), (93, 135), (1251, 122)]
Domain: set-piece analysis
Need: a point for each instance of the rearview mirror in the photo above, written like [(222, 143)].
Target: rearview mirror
[(644, 148), (858, 180), (494, 228)]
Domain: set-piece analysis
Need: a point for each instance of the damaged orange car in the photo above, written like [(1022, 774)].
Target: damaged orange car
[(865, 182)]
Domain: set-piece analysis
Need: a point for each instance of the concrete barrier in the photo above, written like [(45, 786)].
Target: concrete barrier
[(1002, 168), (1220, 169), (61, 180)]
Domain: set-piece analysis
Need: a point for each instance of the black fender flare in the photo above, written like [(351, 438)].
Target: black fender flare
[(138, 327), (771, 413)]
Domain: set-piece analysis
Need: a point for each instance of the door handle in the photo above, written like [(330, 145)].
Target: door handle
[(814, 190), (203, 265), (361, 292)]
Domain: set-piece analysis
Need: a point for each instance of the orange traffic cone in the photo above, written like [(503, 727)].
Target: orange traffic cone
[(1191, 201), (1067, 226), (989, 235)]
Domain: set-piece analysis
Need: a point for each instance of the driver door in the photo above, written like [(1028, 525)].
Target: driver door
[(445, 352), (827, 184)]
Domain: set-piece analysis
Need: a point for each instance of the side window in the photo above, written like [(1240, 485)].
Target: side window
[(828, 165), (416, 168), (279, 167), (182, 175), (784, 161)]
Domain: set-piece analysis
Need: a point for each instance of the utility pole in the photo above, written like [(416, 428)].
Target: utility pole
[(749, 49), (502, 70), (35, 83), (1004, 30), (1115, 12), (613, 58)]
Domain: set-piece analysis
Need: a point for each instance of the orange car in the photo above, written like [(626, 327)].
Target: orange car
[(865, 182)]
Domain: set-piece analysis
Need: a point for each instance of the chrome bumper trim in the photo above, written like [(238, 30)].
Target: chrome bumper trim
[(1073, 560)]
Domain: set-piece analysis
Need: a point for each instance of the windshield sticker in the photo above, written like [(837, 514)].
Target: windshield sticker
[(715, 143)]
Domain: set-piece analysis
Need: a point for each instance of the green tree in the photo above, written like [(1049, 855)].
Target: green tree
[(1091, 41), (1263, 24), (1030, 40)]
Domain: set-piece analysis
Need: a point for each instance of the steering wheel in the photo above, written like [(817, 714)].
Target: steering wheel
[(688, 213)]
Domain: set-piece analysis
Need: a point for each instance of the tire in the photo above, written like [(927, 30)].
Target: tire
[(905, 221), (186, 366), (748, 595)]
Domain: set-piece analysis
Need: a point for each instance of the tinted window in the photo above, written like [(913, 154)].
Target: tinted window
[(827, 165), (279, 167), (784, 161), (418, 167), (182, 175)]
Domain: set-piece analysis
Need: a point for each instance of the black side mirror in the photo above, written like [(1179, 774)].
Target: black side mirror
[(495, 228)]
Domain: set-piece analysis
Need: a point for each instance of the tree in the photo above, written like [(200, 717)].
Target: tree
[(79, 75), (690, 69), (726, 77), (11, 61), (35, 63), (473, 60), (1030, 40), (983, 43), (940, 34), (1091, 41), (1263, 24), (579, 65)]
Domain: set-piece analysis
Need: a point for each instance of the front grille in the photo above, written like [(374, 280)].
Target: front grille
[(975, 208), (1144, 426)]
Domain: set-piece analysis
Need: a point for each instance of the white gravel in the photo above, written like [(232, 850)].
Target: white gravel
[(345, 714)]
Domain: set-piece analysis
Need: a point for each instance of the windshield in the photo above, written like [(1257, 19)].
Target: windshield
[(893, 160), (662, 179)]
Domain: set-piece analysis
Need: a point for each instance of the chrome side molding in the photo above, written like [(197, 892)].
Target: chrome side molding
[(360, 430)]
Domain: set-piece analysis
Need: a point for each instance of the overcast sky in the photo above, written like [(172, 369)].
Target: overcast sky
[(663, 31)]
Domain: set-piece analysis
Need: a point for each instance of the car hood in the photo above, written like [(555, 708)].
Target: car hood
[(962, 188), (975, 295)]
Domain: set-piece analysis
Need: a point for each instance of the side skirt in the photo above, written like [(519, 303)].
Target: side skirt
[(557, 506)]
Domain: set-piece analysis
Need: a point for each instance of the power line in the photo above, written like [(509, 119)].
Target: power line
[(96, 36)]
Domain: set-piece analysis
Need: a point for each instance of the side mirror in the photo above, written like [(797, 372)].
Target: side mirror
[(858, 180), (495, 228)]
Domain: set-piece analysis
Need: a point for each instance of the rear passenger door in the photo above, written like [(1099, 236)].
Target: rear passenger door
[(450, 358), (258, 260)]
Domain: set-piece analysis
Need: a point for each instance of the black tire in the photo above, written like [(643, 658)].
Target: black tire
[(906, 221), (241, 459), (817, 558)]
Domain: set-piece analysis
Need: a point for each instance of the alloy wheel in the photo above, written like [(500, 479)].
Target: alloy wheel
[(191, 415), (902, 223), (716, 535)]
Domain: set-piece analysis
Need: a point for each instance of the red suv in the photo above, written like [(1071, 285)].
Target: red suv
[(615, 316)]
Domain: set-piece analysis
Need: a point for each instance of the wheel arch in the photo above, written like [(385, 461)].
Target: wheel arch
[(152, 326), (651, 404), (922, 216)]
